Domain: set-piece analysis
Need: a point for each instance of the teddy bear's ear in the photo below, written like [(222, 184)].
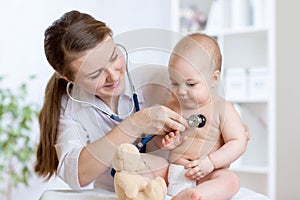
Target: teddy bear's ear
[(127, 158), (117, 163), (133, 162), (125, 149), (122, 154)]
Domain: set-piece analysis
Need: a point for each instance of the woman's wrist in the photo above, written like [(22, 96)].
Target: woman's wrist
[(130, 128)]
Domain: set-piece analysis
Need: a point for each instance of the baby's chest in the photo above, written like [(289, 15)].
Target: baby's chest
[(207, 122), (211, 131)]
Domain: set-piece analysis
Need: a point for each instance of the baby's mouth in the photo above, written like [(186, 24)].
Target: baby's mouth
[(183, 98)]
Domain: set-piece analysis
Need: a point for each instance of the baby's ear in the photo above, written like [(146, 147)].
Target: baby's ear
[(215, 78)]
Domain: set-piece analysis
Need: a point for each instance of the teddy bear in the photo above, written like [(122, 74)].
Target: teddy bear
[(129, 185)]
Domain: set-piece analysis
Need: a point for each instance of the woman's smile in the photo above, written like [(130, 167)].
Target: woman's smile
[(113, 85)]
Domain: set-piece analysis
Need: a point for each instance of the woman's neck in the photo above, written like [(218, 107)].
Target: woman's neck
[(112, 102)]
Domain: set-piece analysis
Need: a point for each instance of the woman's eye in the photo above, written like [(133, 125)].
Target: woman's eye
[(114, 57), (174, 84), (96, 74)]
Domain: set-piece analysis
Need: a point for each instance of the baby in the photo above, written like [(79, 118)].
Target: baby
[(198, 168)]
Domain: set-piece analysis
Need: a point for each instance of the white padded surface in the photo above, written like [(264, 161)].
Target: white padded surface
[(246, 194), (98, 194), (95, 194)]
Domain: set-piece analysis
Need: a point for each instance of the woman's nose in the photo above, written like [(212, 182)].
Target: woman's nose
[(112, 74)]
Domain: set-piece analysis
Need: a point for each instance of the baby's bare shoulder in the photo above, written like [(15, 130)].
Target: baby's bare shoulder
[(221, 102)]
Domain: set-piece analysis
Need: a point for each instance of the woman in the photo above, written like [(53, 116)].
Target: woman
[(77, 141)]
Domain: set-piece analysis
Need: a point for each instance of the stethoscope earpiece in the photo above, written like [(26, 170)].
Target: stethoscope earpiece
[(197, 121)]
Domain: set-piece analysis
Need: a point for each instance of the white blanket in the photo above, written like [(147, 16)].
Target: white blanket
[(98, 194)]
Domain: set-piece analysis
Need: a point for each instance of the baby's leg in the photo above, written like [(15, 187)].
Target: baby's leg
[(218, 185), (188, 194), (155, 166)]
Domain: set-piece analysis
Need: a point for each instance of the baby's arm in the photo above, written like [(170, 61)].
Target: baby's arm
[(172, 140), (199, 168), (233, 133), (169, 141)]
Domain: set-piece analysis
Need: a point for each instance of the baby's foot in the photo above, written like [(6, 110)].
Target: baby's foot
[(188, 194)]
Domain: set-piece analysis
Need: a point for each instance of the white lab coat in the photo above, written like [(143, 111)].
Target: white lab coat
[(81, 123)]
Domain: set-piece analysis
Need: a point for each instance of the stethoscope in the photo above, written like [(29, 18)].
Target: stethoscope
[(112, 115), (193, 121)]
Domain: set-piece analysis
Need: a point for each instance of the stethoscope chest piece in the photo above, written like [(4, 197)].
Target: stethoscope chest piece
[(197, 121)]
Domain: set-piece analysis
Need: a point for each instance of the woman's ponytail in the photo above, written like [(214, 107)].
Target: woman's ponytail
[(65, 40), (46, 163)]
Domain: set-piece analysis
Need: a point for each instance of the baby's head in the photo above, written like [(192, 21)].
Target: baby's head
[(198, 46), (195, 62)]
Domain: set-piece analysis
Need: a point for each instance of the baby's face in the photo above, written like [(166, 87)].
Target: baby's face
[(190, 84)]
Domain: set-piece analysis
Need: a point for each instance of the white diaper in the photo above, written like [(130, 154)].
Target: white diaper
[(177, 180)]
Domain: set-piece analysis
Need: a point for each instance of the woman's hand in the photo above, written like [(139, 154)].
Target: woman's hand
[(198, 169), (172, 140), (157, 120)]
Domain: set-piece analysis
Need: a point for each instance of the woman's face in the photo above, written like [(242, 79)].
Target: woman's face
[(100, 71)]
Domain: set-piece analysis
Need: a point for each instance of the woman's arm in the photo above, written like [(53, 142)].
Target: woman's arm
[(96, 157)]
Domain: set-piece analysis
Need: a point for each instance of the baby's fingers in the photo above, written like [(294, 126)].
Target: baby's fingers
[(166, 140), (191, 164)]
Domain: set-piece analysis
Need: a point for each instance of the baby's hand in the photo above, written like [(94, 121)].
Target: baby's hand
[(198, 169), (172, 140)]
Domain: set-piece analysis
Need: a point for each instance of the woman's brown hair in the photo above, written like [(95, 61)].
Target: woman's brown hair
[(65, 40)]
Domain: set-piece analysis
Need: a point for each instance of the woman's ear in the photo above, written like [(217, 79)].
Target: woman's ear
[(215, 78), (64, 77)]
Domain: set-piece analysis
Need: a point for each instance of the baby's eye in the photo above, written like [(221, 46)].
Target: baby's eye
[(191, 84), (174, 84)]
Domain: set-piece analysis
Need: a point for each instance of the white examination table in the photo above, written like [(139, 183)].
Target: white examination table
[(98, 194)]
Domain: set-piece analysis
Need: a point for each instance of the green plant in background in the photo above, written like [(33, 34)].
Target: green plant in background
[(17, 144)]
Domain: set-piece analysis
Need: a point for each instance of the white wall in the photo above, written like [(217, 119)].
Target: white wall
[(288, 98), (21, 43), (23, 23)]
